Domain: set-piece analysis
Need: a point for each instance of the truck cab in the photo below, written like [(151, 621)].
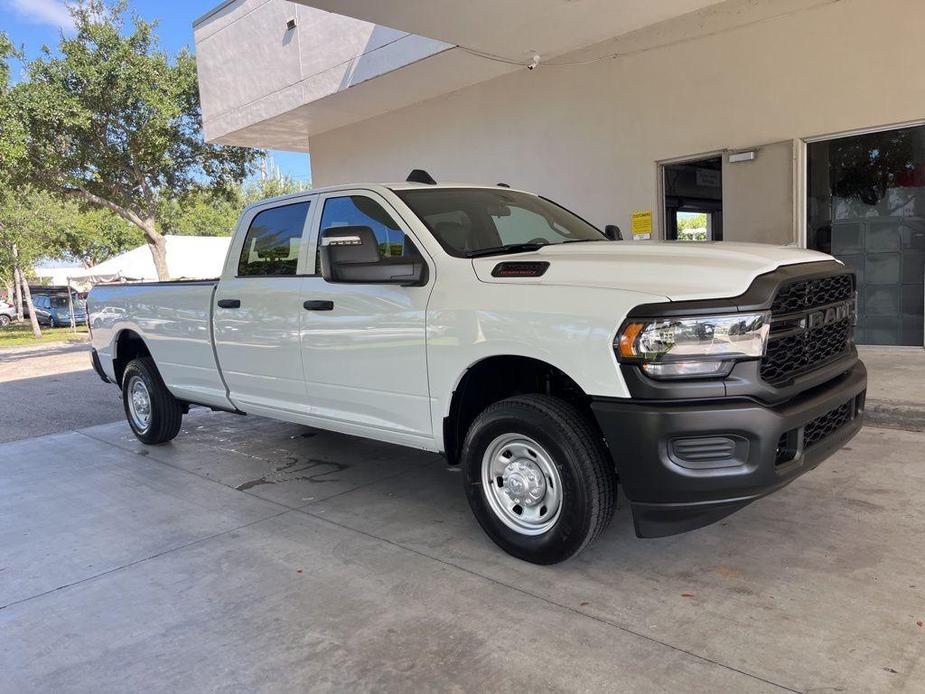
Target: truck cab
[(507, 333)]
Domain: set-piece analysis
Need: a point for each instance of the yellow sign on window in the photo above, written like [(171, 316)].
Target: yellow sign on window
[(642, 224)]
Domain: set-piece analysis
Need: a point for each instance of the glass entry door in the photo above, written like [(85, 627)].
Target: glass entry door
[(866, 206), (694, 200)]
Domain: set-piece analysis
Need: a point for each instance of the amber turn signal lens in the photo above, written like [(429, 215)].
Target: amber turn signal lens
[(628, 339)]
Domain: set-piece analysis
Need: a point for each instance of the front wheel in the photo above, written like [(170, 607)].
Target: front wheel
[(152, 411), (4, 320), (538, 478)]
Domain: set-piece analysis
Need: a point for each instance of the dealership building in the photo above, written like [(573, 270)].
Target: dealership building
[(782, 121)]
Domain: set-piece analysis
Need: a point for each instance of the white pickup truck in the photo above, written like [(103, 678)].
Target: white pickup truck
[(497, 328)]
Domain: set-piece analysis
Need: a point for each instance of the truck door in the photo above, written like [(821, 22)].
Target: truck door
[(363, 345), (257, 309)]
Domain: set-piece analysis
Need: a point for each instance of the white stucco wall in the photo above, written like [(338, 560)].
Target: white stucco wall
[(254, 71), (589, 135)]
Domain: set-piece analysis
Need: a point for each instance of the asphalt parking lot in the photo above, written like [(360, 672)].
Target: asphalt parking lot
[(51, 388), (251, 555)]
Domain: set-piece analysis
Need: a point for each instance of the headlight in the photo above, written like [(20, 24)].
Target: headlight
[(687, 347)]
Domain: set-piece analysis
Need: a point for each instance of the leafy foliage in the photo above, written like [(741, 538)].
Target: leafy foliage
[(113, 122), (205, 213), (12, 135), (694, 221)]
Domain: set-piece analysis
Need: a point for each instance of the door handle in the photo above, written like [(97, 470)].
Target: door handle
[(229, 303), (318, 305)]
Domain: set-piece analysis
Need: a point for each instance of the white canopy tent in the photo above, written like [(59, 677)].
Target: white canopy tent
[(188, 257)]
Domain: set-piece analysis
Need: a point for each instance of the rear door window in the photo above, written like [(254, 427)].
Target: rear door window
[(271, 247)]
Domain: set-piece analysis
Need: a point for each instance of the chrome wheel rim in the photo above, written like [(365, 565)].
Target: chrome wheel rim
[(521, 484), (139, 403)]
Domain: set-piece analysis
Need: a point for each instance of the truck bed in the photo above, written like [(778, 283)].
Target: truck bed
[(175, 320)]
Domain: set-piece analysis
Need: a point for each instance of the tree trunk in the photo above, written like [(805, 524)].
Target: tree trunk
[(17, 284), (158, 247), (157, 244), (27, 294), (9, 290)]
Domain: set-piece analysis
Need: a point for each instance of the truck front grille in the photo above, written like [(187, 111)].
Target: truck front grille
[(822, 427), (817, 430), (807, 294), (812, 324)]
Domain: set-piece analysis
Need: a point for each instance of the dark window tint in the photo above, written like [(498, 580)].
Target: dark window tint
[(359, 210), (271, 247), (866, 206)]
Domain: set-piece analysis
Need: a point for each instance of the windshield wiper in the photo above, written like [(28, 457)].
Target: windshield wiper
[(503, 250), (583, 240)]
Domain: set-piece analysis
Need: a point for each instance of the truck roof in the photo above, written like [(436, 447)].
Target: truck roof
[(398, 186)]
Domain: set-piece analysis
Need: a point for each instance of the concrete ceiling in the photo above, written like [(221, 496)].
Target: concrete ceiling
[(514, 29)]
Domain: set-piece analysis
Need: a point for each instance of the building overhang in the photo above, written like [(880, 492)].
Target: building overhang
[(515, 29), (273, 73)]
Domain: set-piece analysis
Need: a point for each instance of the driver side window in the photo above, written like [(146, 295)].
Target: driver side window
[(359, 210)]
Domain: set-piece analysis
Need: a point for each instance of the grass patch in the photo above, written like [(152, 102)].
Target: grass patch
[(19, 334)]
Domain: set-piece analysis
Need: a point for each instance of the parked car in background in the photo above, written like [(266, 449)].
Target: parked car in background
[(54, 310), (7, 314)]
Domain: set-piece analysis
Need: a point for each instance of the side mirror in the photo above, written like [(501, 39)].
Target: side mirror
[(612, 232), (351, 255)]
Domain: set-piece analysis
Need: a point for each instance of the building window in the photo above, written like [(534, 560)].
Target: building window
[(866, 206)]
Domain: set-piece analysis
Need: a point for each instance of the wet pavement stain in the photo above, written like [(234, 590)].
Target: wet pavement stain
[(311, 470)]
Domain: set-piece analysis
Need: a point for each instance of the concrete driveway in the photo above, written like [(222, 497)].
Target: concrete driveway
[(250, 555)]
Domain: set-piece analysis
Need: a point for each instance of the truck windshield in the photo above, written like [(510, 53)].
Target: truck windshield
[(470, 222)]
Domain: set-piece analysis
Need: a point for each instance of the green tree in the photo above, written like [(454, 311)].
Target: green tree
[(694, 221), (261, 188), (215, 213), (113, 122), (23, 239), (89, 235), (12, 157)]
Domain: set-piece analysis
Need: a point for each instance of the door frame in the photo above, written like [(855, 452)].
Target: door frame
[(660, 164), (425, 439)]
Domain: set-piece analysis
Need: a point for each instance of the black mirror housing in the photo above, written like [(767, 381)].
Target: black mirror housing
[(612, 232), (350, 254)]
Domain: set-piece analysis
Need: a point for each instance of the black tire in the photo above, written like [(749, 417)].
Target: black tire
[(4, 320), (51, 322), (165, 412), (586, 471)]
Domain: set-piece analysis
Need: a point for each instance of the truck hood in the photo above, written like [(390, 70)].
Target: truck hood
[(677, 270)]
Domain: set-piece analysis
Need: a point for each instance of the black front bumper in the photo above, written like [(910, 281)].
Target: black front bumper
[(684, 465)]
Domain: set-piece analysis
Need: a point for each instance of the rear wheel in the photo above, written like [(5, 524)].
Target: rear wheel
[(538, 478), (153, 413), (4, 320)]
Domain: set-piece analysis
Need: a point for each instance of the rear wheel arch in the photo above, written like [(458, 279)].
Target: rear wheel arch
[(127, 346)]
